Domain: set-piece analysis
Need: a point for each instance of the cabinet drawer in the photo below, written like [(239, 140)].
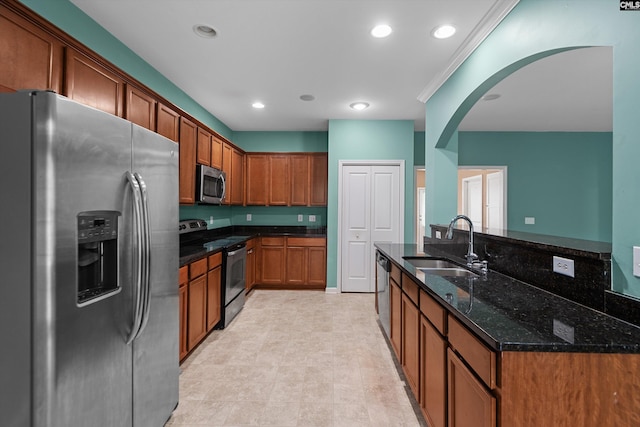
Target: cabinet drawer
[(215, 260), (481, 359), (410, 288), (434, 312), (395, 273), (197, 268), (306, 241), (272, 241), (183, 275)]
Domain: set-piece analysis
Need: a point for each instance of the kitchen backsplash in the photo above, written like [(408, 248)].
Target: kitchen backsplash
[(225, 216)]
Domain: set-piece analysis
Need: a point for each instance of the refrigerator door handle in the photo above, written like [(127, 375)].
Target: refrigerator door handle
[(146, 237), (138, 258)]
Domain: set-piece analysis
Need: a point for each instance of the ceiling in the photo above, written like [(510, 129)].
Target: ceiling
[(274, 51)]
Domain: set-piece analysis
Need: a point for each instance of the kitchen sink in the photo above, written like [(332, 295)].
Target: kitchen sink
[(439, 267)]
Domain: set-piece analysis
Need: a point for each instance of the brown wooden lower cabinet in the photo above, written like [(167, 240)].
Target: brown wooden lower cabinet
[(395, 303), (411, 343), (433, 374), (272, 261), (292, 262), (214, 290), (183, 275), (250, 278), (197, 316)]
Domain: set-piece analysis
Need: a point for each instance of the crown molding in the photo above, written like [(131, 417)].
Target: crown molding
[(498, 11)]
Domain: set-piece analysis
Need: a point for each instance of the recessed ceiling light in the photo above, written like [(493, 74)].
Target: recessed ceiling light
[(307, 97), (380, 31), (359, 106), (257, 105), (205, 31), (443, 31), (491, 96)]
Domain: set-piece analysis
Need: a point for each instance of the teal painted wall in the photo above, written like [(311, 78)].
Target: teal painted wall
[(66, 16), (282, 141), (418, 148), (534, 29), (366, 140), (538, 165)]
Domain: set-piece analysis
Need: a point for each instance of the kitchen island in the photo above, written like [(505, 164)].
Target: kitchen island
[(489, 350)]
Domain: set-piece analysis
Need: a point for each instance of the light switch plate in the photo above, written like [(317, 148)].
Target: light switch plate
[(438, 234), (300, 217), (563, 266), (636, 261), (249, 217), (529, 220)]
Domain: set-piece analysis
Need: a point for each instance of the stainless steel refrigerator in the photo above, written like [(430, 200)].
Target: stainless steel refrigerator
[(88, 289)]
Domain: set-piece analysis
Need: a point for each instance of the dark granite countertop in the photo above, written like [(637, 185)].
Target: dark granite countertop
[(194, 246), (510, 315)]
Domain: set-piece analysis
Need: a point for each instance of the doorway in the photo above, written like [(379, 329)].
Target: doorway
[(482, 196), (371, 207)]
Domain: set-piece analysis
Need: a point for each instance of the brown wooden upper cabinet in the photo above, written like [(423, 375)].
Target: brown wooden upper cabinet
[(216, 152), (279, 180), (300, 179), (31, 58), (168, 123), (203, 152), (91, 84), (257, 173), (237, 177), (140, 108), (319, 177), (188, 137), (226, 168)]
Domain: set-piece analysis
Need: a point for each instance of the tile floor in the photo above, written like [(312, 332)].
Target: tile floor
[(295, 358)]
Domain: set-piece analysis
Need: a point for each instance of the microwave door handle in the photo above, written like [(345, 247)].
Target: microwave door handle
[(146, 252), (224, 187), (137, 261)]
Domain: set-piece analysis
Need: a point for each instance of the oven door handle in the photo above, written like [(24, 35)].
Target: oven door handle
[(229, 254)]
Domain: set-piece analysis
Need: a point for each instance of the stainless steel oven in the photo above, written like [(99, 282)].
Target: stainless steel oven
[(235, 267)]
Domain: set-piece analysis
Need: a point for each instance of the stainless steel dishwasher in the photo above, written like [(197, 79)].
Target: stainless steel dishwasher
[(382, 288)]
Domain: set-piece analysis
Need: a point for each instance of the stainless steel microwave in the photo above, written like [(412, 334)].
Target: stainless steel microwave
[(210, 185)]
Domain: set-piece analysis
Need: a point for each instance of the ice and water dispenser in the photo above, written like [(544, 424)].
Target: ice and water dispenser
[(97, 255)]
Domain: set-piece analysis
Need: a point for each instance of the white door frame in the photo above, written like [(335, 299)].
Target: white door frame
[(416, 208), (402, 179), (504, 187)]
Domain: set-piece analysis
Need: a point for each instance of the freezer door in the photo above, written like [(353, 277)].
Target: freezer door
[(155, 357), (82, 366)]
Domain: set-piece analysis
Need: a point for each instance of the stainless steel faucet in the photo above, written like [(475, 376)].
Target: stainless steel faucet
[(472, 258)]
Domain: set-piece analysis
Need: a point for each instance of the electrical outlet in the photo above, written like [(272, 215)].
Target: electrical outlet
[(249, 218), (563, 266), (636, 261), (211, 219), (563, 331), (438, 234), (300, 217), (529, 220), (312, 218)]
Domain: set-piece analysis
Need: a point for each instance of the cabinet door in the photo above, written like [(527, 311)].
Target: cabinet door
[(296, 265), (140, 108), (272, 264), (411, 343), (197, 317), (203, 151), (257, 179), (299, 179), (395, 302), (183, 275), (213, 297), (168, 123), (251, 264), (31, 58), (216, 152), (227, 163), (237, 177), (188, 135), (278, 180), (318, 185), (470, 403), (91, 84), (433, 374), (318, 266)]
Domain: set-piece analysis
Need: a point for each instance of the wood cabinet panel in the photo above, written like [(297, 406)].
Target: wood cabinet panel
[(237, 177), (395, 331), (470, 404), (197, 311), (395, 274), (317, 274), (436, 314), (214, 288), (91, 84), (410, 288), (251, 264), (297, 265), (411, 343), (433, 374), (473, 351), (319, 178), (272, 265), (197, 269), (227, 151), (257, 179), (168, 123), (140, 108), (188, 137), (184, 309), (214, 260), (216, 152), (31, 58), (299, 179), (278, 180), (203, 151)]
